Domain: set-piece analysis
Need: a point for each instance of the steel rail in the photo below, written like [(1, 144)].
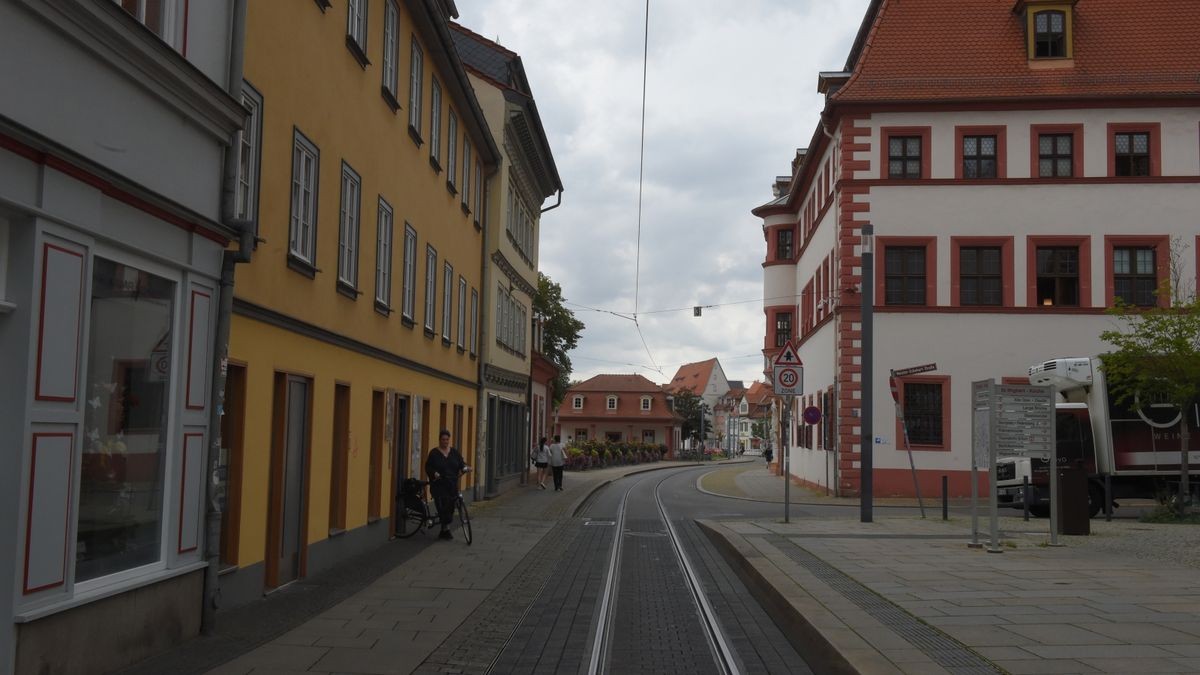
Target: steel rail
[(600, 638)]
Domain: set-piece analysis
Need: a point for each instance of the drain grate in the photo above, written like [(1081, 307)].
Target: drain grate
[(941, 648)]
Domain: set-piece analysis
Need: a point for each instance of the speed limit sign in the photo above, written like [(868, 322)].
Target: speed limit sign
[(789, 380)]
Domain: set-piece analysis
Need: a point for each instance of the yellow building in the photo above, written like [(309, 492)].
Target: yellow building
[(354, 333)]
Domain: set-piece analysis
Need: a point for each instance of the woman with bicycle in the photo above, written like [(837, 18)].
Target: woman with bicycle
[(443, 469)]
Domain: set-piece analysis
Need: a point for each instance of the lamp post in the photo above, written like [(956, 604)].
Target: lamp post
[(867, 465)]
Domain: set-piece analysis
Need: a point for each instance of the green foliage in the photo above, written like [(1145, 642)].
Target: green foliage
[(560, 332), (693, 411), (760, 429), (1167, 513)]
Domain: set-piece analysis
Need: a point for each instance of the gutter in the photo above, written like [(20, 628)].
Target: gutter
[(214, 485)]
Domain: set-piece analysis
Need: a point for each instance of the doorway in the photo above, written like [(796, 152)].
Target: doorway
[(401, 458), (287, 537)]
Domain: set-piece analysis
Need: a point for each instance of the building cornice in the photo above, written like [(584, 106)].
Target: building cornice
[(495, 377), (512, 275)]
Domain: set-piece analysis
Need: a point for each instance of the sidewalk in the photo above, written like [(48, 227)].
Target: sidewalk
[(424, 592), (906, 595)]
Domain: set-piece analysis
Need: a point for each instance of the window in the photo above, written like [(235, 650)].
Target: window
[(925, 414), (646, 403), (580, 435), (356, 29), (743, 409), (249, 156), (462, 312), (1050, 34), (1055, 155), (302, 232), (430, 287), (577, 402), (519, 223), (648, 436), (415, 85), (466, 174), (435, 123), (478, 191), (611, 403), (980, 275), (383, 256), (339, 461), (510, 322), (451, 150), (410, 272), (1131, 154), (348, 227), (447, 298), (904, 157), (979, 157), (904, 275), (160, 16), (783, 328), (1058, 276), (391, 49), (1135, 275), (783, 244), (120, 513), (474, 318)]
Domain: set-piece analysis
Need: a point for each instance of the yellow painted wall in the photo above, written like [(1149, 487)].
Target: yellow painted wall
[(297, 58)]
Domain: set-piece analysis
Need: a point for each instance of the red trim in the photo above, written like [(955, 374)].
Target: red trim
[(107, 188), (42, 328), (848, 108), (1001, 134), (1076, 131), (1085, 266), (930, 244), (191, 335), (917, 309), (885, 133), (1075, 180), (944, 381), (1006, 267), (29, 509), (772, 317), (1196, 248), (183, 494), (1162, 261), (1154, 129)]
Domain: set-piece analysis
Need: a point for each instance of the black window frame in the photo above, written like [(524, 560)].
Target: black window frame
[(1133, 295), (1052, 43), (984, 282), (924, 411), (1056, 156), (1130, 163), (783, 328), (907, 159), (978, 160), (898, 279), (783, 249), (1052, 283)]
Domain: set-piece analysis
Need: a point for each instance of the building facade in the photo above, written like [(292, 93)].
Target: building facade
[(355, 333), (1039, 165), (618, 408), (705, 379), (525, 178), (114, 130)]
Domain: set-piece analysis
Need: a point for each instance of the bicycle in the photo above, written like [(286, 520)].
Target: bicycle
[(419, 514)]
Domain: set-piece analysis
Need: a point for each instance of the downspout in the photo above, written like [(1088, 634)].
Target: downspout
[(556, 204), (214, 487), (481, 404)]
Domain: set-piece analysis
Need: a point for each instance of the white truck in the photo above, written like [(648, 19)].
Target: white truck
[(1136, 447)]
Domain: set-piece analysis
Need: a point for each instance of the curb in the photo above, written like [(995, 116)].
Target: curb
[(582, 501), (700, 488), (827, 643)]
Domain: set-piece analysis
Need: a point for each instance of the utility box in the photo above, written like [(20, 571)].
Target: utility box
[(1073, 517)]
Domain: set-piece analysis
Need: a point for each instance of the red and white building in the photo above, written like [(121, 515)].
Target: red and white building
[(618, 408), (1023, 163)]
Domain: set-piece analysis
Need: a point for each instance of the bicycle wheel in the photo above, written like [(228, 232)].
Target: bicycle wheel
[(464, 519), (411, 521)]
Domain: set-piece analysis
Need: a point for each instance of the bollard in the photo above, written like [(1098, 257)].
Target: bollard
[(945, 498), (1025, 496)]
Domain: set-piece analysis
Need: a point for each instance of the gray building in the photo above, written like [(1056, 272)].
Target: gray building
[(115, 125)]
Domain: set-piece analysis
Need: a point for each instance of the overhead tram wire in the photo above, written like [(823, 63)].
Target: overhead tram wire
[(678, 309), (637, 267)]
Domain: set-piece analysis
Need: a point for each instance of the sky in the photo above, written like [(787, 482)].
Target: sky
[(730, 95)]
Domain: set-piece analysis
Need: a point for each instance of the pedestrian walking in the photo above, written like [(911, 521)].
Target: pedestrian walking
[(541, 459), (558, 458), (443, 468)]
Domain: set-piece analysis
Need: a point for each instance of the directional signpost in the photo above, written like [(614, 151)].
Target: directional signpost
[(788, 378), (895, 386)]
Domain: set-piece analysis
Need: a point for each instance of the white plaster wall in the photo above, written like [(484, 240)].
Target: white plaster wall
[(779, 285)]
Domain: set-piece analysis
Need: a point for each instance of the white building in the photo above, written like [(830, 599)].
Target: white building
[(1022, 165)]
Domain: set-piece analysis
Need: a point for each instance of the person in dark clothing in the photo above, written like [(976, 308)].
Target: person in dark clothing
[(443, 468)]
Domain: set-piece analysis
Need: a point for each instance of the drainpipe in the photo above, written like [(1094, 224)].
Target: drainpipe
[(214, 486), (556, 204)]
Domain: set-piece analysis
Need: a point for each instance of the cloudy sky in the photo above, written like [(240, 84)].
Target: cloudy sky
[(731, 93)]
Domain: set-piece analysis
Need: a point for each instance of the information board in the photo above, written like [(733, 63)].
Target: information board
[(1024, 420)]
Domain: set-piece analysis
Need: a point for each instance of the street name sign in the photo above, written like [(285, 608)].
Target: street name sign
[(915, 370)]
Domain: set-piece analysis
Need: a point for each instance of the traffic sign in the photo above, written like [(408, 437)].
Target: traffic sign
[(789, 380), (787, 356), (812, 414), (903, 372)]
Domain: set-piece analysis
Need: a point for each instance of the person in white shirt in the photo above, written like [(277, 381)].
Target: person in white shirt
[(558, 457)]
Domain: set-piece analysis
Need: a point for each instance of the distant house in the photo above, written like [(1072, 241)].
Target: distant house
[(730, 419), (618, 408), (705, 379)]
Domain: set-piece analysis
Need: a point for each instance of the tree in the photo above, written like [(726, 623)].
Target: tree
[(760, 429), (560, 332), (1156, 356), (692, 409)]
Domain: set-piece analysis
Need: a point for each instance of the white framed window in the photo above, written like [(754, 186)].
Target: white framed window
[(462, 311), (743, 408), (356, 23), (466, 173), (611, 403), (391, 46), (348, 227), (474, 319), (302, 231), (430, 286), (478, 192), (435, 121), (415, 85), (249, 156), (410, 272), (451, 148), (646, 402), (577, 403), (164, 18), (447, 298), (383, 255)]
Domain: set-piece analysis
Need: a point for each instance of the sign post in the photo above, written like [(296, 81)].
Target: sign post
[(1024, 427), (904, 422), (981, 401), (788, 378)]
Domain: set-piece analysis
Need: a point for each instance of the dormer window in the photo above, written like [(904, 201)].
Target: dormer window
[(577, 403), (1050, 34), (612, 402), (645, 403)]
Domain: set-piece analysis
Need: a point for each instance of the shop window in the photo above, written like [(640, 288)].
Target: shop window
[(122, 486)]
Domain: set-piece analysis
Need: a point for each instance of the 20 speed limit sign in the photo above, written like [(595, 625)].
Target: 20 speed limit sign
[(789, 380)]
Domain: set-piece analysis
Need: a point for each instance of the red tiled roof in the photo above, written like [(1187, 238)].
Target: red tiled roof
[(975, 49), (759, 393), (617, 383), (693, 376)]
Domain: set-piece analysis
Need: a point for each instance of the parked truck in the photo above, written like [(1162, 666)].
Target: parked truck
[(1136, 446)]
